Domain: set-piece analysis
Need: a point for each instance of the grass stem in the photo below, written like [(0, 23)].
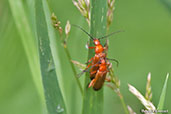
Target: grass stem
[(73, 68), (123, 102)]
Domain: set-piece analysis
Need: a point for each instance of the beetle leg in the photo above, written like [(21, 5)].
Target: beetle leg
[(91, 83), (86, 69), (89, 60), (117, 62), (87, 46), (89, 65), (91, 47), (93, 72), (106, 46)]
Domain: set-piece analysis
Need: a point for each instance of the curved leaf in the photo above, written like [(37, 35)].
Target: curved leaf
[(54, 99), (93, 100)]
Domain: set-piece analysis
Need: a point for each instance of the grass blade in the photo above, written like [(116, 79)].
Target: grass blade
[(28, 41), (92, 100), (163, 94), (167, 4), (54, 99)]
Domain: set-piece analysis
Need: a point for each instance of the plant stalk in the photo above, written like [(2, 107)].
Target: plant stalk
[(73, 68), (123, 102), (93, 100)]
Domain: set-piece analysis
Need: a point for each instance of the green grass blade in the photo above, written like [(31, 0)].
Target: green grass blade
[(54, 45), (167, 4), (163, 94), (54, 99), (93, 100), (28, 41)]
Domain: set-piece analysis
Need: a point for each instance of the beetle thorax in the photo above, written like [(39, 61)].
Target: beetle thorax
[(99, 49), (103, 65)]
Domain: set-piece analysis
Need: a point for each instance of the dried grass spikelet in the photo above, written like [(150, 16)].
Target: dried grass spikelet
[(148, 94), (148, 105), (130, 110), (84, 7), (110, 11), (56, 23)]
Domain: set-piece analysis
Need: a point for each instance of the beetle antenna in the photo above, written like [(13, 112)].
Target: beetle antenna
[(110, 34), (83, 31)]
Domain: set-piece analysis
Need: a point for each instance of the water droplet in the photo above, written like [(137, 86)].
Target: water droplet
[(51, 66), (59, 109)]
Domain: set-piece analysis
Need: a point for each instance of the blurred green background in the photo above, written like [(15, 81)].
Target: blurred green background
[(144, 47)]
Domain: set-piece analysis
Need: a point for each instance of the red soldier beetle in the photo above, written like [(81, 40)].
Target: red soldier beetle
[(99, 49), (97, 71), (100, 76)]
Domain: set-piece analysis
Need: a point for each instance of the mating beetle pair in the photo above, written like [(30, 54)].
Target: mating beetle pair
[(98, 64)]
